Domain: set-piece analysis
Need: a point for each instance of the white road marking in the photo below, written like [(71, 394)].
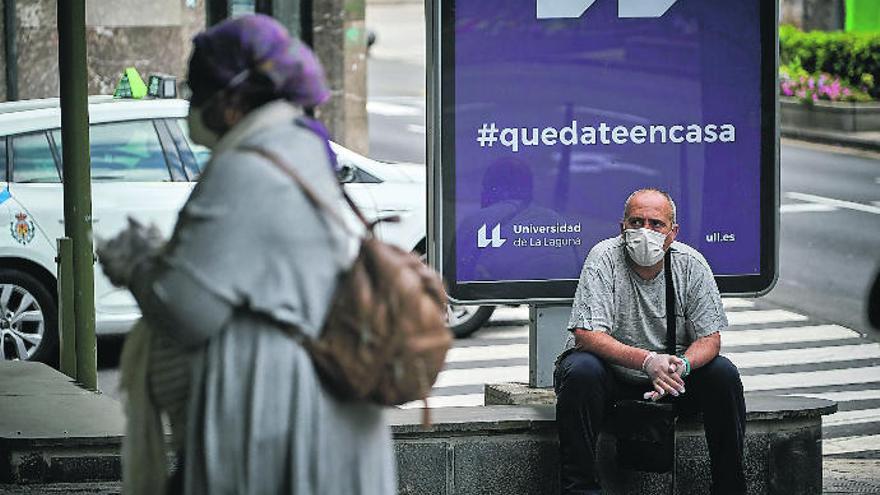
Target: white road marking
[(848, 445), (751, 359), (786, 335), (843, 396), (765, 336), (521, 312), (392, 109), (760, 317), (812, 198), (811, 379), (806, 208), (843, 418), (518, 333), (759, 359), (487, 352), (507, 313), (418, 129), (479, 376), (736, 303), (412, 101), (464, 400)]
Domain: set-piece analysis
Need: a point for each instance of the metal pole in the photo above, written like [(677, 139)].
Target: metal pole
[(77, 181), (307, 23), (66, 315), (264, 7), (547, 337), (217, 11)]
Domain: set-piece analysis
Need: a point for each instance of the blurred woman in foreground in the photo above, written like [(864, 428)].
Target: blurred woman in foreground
[(249, 256)]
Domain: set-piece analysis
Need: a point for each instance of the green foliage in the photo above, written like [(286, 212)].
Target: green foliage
[(852, 57)]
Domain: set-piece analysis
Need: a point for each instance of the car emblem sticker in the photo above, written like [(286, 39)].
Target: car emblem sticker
[(22, 229)]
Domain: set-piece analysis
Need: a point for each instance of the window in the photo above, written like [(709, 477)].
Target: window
[(125, 151), (32, 159), (201, 153)]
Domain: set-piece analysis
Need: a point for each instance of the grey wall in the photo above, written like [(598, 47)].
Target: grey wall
[(152, 36), (823, 15)]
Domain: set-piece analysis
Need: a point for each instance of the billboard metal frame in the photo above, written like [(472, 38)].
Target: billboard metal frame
[(439, 16)]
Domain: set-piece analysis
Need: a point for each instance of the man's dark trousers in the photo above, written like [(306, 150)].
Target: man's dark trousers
[(586, 388)]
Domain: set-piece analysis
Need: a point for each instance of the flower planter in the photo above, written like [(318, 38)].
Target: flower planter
[(831, 116)]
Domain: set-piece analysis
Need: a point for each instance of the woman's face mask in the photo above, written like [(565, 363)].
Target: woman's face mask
[(198, 132), (644, 246)]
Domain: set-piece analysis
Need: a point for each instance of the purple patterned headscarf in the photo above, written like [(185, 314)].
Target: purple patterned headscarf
[(226, 55)]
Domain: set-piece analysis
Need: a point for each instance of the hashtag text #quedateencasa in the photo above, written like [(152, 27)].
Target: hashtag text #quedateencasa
[(514, 138)]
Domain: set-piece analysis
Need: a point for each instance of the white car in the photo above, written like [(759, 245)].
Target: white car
[(143, 165)]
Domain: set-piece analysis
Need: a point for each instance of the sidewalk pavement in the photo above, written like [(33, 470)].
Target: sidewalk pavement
[(42, 410), (841, 477), (846, 476)]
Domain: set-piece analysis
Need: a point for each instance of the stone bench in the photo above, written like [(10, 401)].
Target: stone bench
[(783, 447)]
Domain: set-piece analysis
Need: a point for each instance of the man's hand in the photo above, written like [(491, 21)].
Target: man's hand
[(665, 373)]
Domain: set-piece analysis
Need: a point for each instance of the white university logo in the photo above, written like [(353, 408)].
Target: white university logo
[(572, 9), (495, 241)]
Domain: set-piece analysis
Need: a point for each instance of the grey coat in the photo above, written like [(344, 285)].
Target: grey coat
[(249, 245)]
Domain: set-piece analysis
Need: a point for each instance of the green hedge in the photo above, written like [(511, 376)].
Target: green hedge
[(854, 57)]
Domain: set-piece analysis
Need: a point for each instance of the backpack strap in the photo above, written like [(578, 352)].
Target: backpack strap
[(670, 305), (310, 193)]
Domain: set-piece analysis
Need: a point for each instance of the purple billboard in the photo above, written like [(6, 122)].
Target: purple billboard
[(554, 111)]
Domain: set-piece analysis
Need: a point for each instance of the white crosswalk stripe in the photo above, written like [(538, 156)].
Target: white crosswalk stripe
[(777, 351), (757, 359), (846, 396), (392, 109), (763, 316), (786, 335), (824, 378), (735, 302), (518, 333), (481, 353), (850, 445), (853, 417), (805, 208), (476, 376)]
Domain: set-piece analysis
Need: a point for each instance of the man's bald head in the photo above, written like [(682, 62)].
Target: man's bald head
[(644, 195)]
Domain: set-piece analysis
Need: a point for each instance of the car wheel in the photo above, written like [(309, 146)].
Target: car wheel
[(464, 320), (28, 319)]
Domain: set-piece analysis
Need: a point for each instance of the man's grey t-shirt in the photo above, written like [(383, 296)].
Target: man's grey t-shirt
[(612, 298)]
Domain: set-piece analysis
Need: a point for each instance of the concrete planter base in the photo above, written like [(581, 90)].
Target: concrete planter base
[(825, 115)]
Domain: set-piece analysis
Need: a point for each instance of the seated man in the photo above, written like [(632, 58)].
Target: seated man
[(618, 325)]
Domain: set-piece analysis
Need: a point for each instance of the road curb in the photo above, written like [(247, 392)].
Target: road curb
[(863, 141)]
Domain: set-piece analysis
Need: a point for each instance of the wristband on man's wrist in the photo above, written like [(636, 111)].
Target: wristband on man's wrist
[(650, 356), (687, 366)]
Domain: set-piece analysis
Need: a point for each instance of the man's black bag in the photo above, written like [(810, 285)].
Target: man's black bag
[(645, 430)]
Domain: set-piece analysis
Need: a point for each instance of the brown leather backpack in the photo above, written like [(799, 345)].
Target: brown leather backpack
[(385, 337)]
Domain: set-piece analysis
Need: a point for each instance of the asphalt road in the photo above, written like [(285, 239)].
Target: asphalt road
[(829, 248), (396, 107)]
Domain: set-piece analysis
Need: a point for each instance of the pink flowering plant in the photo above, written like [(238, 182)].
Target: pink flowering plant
[(808, 88)]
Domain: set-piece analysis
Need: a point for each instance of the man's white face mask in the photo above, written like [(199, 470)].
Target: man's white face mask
[(645, 246), (198, 132)]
